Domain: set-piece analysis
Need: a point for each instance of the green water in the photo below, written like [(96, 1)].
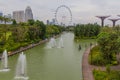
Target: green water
[(51, 64)]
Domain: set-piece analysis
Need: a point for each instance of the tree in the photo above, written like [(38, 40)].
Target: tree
[(86, 31), (109, 44), (1, 19), (5, 19), (31, 22), (19, 34), (42, 28), (33, 33), (14, 22), (52, 30)]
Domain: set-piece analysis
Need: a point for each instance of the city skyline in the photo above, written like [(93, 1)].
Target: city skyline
[(83, 11), (23, 15)]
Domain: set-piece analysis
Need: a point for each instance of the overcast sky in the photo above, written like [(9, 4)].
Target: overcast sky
[(83, 11)]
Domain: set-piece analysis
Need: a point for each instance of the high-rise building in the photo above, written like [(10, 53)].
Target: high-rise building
[(1, 14), (28, 14), (18, 16), (48, 22), (53, 21)]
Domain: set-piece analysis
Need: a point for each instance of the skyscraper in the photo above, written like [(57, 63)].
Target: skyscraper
[(48, 22), (28, 14), (18, 16), (1, 14), (53, 21)]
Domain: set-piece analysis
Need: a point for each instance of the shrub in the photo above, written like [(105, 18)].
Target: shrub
[(114, 62), (99, 75), (96, 58), (103, 75), (108, 69)]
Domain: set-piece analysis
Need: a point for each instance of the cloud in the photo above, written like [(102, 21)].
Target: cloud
[(83, 10)]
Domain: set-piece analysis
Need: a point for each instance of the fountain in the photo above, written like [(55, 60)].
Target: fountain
[(4, 62), (21, 72), (52, 43), (60, 44)]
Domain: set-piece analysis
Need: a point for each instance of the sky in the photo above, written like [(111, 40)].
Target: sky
[(83, 11)]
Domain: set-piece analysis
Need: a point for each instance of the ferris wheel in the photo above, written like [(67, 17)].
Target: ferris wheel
[(63, 16)]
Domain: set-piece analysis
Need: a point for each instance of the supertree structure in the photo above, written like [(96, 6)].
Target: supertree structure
[(102, 19), (114, 21)]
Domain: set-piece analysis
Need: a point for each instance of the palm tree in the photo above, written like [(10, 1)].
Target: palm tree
[(1, 19), (5, 19)]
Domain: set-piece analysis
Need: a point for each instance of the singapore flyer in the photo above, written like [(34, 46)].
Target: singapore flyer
[(63, 16)]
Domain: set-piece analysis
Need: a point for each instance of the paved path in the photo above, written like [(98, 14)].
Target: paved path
[(87, 68)]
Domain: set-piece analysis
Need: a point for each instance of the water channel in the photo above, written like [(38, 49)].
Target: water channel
[(52, 63)]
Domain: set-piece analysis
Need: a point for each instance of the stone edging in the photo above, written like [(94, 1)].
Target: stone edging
[(29, 46)]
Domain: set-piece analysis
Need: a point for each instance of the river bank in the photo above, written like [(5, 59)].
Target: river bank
[(10, 53)]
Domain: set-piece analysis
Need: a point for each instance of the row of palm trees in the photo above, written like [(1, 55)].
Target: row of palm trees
[(4, 19)]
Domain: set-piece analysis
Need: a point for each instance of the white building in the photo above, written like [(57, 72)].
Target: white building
[(18, 16), (28, 14)]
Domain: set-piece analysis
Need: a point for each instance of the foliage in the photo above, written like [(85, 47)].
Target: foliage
[(33, 33), (109, 43), (31, 22), (14, 22), (103, 75), (14, 37), (42, 28), (23, 24), (19, 34), (4, 19), (86, 31), (52, 30), (1, 19), (108, 69), (96, 58)]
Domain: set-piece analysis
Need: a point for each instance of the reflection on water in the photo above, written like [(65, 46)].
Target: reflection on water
[(45, 63)]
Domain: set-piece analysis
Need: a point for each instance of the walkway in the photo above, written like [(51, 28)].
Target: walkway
[(86, 68)]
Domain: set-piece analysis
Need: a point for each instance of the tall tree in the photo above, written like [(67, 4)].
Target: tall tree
[(109, 44), (33, 32), (1, 19), (5, 19), (31, 22), (42, 28), (14, 22), (86, 31)]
